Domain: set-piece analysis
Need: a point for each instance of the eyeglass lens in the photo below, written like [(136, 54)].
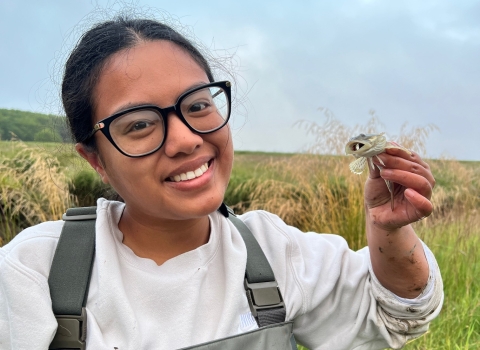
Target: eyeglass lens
[(143, 130)]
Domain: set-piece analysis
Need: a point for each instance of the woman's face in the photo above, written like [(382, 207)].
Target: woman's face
[(158, 72)]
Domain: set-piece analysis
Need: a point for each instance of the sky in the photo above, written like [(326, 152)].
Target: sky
[(414, 62)]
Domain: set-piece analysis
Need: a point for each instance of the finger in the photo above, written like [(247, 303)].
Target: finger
[(423, 207), (373, 172), (409, 180), (393, 162), (413, 156)]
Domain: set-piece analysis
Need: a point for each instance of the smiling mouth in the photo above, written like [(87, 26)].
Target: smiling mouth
[(190, 175)]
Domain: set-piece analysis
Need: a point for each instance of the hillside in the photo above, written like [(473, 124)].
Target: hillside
[(30, 126)]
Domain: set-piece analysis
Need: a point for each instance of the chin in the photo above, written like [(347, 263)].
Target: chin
[(204, 209), (190, 208)]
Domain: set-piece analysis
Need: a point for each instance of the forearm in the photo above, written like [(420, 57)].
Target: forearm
[(398, 259)]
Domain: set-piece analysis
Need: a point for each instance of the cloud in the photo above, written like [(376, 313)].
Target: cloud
[(411, 61)]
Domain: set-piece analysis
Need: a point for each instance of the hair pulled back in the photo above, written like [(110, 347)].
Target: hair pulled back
[(85, 63)]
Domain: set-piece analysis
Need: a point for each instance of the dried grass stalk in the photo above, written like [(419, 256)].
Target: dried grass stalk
[(33, 189), (312, 193)]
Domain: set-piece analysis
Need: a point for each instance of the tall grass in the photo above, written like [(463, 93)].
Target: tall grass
[(331, 136), (318, 193), (33, 189), (457, 190), (456, 244), (312, 193)]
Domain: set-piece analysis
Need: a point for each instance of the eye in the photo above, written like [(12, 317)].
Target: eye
[(198, 106), (139, 125)]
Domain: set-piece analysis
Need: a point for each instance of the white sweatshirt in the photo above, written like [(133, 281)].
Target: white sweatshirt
[(330, 292)]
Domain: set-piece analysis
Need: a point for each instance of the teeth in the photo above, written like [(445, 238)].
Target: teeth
[(190, 174)]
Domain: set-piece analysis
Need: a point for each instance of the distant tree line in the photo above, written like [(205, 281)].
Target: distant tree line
[(29, 126)]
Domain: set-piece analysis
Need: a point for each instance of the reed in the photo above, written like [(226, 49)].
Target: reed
[(331, 136), (318, 193), (312, 193), (456, 245), (33, 189)]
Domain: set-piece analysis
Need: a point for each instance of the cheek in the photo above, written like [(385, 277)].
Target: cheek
[(227, 148), (221, 140), (127, 176), (226, 136), (120, 171)]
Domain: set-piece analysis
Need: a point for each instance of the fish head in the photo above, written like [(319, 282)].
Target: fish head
[(366, 145)]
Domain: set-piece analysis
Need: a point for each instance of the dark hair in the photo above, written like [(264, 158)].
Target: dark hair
[(87, 59)]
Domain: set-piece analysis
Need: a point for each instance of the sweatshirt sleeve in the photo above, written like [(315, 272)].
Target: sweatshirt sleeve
[(406, 319), (26, 317), (332, 294)]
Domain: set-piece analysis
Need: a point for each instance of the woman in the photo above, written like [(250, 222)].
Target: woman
[(169, 269)]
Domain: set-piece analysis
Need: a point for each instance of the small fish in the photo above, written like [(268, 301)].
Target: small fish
[(366, 146)]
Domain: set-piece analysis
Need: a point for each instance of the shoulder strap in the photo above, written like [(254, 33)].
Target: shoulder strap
[(69, 277), (72, 264), (264, 297)]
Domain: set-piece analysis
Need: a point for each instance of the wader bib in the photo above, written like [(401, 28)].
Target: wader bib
[(72, 264)]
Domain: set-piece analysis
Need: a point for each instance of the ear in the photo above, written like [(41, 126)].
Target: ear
[(94, 160)]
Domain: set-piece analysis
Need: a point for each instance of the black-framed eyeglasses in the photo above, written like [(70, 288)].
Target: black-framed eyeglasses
[(142, 130)]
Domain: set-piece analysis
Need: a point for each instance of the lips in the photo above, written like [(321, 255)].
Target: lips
[(189, 175)]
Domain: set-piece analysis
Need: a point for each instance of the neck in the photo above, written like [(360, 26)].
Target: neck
[(161, 241)]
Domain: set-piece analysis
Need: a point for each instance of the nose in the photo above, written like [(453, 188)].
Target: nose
[(180, 139)]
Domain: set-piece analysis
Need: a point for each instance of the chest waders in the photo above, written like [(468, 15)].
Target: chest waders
[(69, 280)]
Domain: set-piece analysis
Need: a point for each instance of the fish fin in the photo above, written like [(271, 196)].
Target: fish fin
[(358, 165), (389, 186), (380, 160), (370, 161)]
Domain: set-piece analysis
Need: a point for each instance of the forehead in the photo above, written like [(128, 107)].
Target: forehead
[(153, 72)]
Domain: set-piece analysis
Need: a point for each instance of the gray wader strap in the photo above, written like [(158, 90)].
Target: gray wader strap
[(264, 298), (73, 261), (275, 337), (70, 277)]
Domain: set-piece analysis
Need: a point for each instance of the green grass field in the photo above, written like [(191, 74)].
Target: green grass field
[(311, 192)]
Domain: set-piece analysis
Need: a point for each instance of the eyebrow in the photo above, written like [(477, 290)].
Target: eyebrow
[(142, 103)]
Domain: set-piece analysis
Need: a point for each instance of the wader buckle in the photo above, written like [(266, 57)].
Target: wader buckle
[(263, 295), (71, 332)]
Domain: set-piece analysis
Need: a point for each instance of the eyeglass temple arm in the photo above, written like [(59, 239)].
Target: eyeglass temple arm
[(217, 93), (96, 127)]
